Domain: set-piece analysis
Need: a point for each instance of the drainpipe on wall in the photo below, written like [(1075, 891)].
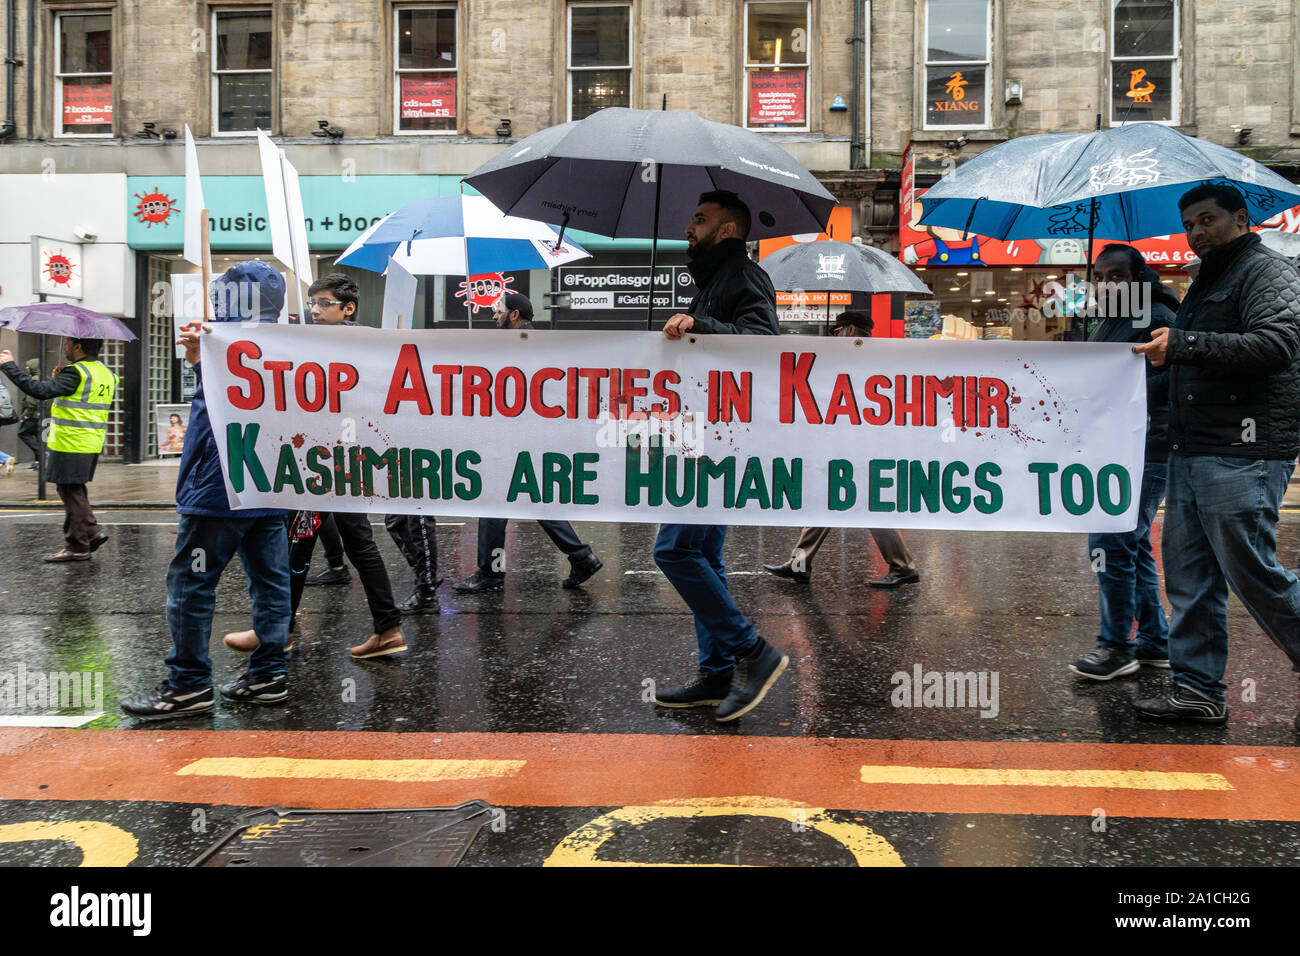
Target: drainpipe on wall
[(11, 65), (857, 43), (31, 56)]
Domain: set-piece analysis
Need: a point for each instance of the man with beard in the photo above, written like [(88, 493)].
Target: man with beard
[(735, 298)]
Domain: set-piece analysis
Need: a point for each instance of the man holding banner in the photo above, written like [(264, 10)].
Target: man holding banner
[(1234, 430), (735, 297)]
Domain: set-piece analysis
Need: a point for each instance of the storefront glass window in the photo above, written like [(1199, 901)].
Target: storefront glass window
[(1144, 61), (956, 63), (83, 75), (776, 65), (425, 83), (600, 57), (241, 71)]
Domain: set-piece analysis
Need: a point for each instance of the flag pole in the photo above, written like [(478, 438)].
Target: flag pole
[(206, 256)]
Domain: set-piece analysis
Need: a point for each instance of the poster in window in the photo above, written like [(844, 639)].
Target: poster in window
[(428, 97), (89, 105), (171, 422), (776, 98), (955, 96)]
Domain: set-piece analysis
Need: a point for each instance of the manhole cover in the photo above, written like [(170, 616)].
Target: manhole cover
[(429, 836)]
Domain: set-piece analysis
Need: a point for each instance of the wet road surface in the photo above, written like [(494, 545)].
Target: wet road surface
[(534, 700)]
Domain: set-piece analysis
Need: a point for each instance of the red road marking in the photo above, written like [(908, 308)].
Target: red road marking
[(640, 769)]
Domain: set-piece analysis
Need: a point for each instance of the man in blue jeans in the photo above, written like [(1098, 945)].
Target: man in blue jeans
[(210, 534), (735, 298), (1234, 430), (1128, 582)]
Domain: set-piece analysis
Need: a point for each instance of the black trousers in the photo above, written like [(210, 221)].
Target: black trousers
[(79, 524), (360, 545), (330, 541), (492, 542), (29, 433), (415, 536)]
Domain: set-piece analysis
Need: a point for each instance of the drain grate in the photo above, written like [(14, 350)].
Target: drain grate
[(430, 836)]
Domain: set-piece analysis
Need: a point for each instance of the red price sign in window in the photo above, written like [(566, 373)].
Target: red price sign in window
[(87, 105), (777, 97), (428, 97)]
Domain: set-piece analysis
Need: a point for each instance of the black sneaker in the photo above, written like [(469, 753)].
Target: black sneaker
[(480, 580), (331, 576), (422, 601), (707, 690), (257, 690), (1105, 663), (1183, 704), (1153, 658), (581, 570), (757, 673), (165, 702)]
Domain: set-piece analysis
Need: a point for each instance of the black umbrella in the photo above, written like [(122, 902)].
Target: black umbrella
[(639, 174), (830, 266)]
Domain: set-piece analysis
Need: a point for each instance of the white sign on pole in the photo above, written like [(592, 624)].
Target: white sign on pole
[(297, 222), (399, 297), (194, 204), (277, 208)]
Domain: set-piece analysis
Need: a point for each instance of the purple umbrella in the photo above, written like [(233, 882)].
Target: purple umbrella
[(59, 318)]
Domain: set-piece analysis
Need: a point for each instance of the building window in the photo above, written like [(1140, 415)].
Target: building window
[(83, 75), (1144, 61), (424, 88), (241, 71), (776, 65), (957, 43), (600, 57)]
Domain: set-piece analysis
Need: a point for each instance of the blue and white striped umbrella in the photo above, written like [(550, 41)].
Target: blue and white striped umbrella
[(1126, 181), (433, 237)]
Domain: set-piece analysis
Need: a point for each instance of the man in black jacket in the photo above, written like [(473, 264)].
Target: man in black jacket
[(735, 297), (1128, 581), (1234, 430)]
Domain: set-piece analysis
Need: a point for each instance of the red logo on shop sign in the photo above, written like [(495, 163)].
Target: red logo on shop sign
[(58, 268), (154, 207), (484, 290)]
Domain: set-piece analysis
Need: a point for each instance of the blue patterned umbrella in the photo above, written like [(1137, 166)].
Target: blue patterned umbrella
[(1121, 183)]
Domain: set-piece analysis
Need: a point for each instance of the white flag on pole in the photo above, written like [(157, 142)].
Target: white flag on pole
[(194, 204)]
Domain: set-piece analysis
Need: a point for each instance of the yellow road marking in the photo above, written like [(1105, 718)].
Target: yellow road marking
[(401, 771), (582, 846), (1099, 779), (101, 844)]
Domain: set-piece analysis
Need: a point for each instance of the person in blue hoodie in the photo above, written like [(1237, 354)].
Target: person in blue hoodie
[(210, 534)]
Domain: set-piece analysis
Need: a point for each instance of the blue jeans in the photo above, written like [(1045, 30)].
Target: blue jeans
[(1128, 583), (690, 556), (1220, 519), (204, 546)]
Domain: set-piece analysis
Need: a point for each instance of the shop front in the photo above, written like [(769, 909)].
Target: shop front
[(1028, 289)]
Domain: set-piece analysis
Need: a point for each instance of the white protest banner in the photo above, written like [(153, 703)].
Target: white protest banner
[(616, 426)]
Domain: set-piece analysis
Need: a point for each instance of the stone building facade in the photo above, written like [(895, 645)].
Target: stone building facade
[(417, 95)]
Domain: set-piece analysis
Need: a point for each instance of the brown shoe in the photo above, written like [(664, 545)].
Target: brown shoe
[(389, 642), (245, 642), (59, 557)]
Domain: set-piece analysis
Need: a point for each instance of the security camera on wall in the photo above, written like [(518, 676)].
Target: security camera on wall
[(84, 234)]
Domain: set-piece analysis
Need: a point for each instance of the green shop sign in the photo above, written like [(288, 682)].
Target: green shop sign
[(337, 210)]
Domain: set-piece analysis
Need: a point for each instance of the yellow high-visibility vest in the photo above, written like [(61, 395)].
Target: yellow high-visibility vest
[(79, 422)]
